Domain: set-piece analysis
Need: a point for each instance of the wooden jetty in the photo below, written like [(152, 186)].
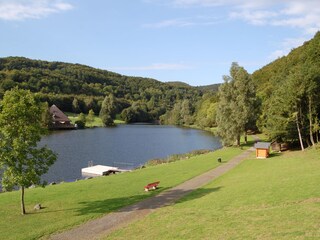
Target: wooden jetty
[(101, 170)]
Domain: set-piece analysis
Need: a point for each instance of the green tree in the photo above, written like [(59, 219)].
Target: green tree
[(22, 163), (236, 103), (289, 92), (292, 112), (82, 118), (90, 117), (46, 117), (108, 110), (128, 115), (135, 113), (206, 111), (151, 104), (107, 120), (75, 106), (90, 103), (81, 121), (109, 106), (186, 112)]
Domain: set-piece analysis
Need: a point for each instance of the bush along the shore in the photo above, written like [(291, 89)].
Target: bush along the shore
[(176, 157)]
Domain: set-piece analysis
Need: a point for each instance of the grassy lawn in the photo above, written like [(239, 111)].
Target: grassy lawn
[(213, 130), (96, 122), (275, 198), (69, 204)]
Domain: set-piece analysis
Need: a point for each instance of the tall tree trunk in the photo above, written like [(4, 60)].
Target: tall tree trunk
[(310, 122), (307, 140), (238, 140), (245, 137), (299, 132), (23, 210)]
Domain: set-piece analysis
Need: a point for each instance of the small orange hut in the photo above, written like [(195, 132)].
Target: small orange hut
[(262, 149)]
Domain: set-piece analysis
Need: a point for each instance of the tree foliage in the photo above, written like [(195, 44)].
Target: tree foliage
[(78, 88), (236, 103), (81, 121), (138, 112), (90, 117), (206, 108), (108, 110), (288, 89), (21, 161)]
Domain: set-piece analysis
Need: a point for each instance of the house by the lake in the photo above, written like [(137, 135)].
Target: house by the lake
[(262, 149), (59, 119)]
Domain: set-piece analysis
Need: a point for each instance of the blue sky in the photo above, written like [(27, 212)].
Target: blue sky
[(194, 41)]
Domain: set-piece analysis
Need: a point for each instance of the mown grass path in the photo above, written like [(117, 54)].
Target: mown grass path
[(68, 205), (271, 199), (101, 227)]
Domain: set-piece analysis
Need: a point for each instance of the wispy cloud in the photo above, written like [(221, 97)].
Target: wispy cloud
[(169, 23), (303, 14), (216, 3), (184, 22), (155, 66), (17, 10), (260, 17)]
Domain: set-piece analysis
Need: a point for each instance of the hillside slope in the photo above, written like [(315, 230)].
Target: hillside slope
[(67, 85)]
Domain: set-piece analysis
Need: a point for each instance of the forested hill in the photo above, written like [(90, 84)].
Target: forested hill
[(304, 59), (79, 88), (66, 78), (289, 92), (212, 87)]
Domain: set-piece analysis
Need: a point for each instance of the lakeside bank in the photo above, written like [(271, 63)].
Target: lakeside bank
[(69, 204)]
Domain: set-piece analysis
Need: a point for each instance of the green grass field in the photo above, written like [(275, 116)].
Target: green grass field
[(275, 198), (96, 122), (69, 204)]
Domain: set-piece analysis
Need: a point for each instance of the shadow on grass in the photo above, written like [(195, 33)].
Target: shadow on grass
[(45, 210), (198, 193), (249, 144), (275, 154), (140, 202)]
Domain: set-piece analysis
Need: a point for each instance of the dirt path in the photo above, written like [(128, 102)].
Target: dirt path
[(101, 227)]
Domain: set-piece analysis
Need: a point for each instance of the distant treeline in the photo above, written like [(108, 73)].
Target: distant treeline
[(77, 88)]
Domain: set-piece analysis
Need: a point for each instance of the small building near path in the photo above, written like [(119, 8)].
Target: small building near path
[(262, 149), (59, 119)]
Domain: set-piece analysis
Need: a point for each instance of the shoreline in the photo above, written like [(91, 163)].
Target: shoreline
[(137, 153)]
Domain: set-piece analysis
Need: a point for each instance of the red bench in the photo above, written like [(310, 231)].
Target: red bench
[(153, 185)]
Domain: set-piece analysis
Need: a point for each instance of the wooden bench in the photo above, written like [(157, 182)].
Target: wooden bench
[(153, 185)]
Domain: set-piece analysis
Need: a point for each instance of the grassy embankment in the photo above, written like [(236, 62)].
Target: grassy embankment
[(96, 122), (275, 198), (213, 130), (69, 204)]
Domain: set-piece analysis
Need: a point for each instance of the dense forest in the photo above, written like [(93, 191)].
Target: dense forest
[(78, 88), (280, 99), (289, 92)]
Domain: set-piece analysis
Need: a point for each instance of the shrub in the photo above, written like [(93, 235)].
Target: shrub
[(80, 124), (176, 157)]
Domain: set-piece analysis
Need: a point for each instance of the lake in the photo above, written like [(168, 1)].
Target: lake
[(124, 146)]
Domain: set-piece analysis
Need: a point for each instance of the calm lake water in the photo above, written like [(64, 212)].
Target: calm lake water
[(125, 146)]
